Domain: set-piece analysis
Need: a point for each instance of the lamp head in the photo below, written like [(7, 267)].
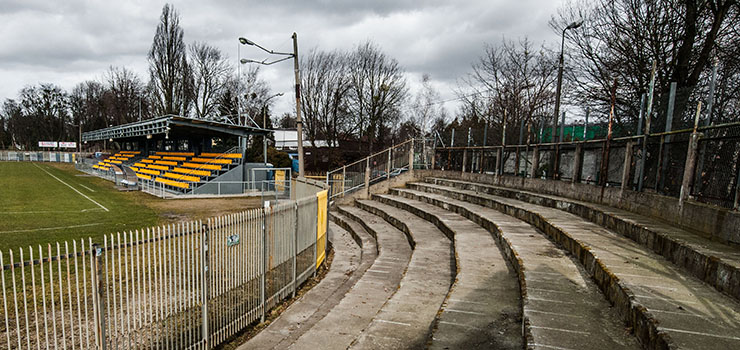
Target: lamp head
[(575, 25), (245, 41)]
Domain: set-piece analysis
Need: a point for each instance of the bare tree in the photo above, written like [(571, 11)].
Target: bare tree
[(210, 72), (125, 96), (325, 85), (621, 38), (378, 91), (510, 83), (245, 94), (425, 106), (170, 75)]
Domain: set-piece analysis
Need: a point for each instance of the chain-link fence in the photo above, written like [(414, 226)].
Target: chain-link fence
[(654, 163)]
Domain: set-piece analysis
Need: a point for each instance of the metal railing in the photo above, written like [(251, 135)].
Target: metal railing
[(190, 285), (380, 166), (702, 164), (40, 156)]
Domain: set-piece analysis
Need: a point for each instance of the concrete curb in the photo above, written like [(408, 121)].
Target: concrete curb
[(703, 265), (510, 254), (644, 324)]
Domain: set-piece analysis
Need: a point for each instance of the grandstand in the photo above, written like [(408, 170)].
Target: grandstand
[(175, 153)]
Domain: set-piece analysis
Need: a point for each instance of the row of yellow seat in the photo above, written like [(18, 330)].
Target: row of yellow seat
[(180, 169), (118, 158)]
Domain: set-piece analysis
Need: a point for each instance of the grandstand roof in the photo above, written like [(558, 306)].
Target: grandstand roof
[(173, 125)]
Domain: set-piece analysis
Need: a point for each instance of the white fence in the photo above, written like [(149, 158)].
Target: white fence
[(20, 156), (185, 286)]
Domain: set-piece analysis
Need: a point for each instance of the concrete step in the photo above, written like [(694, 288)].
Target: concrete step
[(345, 322), (406, 321), (713, 262), (548, 278), (471, 318), (349, 264), (666, 307)]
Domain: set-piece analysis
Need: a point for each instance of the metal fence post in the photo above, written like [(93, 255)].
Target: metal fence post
[(265, 211), (465, 159), (411, 157), (98, 299), (295, 247), (367, 177), (688, 171), (499, 161), (627, 166), (205, 282), (578, 163), (535, 161), (388, 165)]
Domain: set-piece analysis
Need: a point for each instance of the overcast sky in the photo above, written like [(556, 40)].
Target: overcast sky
[(68, 41)]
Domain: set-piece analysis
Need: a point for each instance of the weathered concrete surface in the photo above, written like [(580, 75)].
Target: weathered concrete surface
[(349, 264), (719, 223), (470, 318), (713, 262), (345, 321), (548, 278), (666, 307), (405, 322)]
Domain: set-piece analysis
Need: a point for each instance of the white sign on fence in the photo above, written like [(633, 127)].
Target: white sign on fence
[(52, 144), (68, 144)]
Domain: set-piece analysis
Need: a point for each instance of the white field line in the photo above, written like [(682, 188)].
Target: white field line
[(51, 228), (87, 188), (46, 211), (73, 189)]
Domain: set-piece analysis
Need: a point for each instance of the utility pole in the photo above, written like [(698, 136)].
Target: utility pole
[(299, 122)]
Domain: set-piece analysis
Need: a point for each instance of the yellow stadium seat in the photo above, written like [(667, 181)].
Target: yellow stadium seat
[(202, 166), (182, 159), (172, 182), (140, 165), (134, 168), (165, 162), (192, 172), (147, 161), (143, 176), (182, 177), (158, 167), (212, 161), (149, 171)]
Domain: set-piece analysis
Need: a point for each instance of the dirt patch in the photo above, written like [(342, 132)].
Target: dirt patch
[(175, 210)]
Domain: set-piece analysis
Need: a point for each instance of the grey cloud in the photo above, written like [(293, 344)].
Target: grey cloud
[(68, 41)]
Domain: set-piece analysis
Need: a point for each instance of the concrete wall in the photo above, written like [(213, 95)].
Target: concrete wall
[(710, 221), (302, 187)]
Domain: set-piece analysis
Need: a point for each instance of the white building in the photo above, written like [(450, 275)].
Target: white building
[(287, 140)]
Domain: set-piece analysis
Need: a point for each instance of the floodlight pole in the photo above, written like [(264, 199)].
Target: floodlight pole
[(299, 122), (294, 55)]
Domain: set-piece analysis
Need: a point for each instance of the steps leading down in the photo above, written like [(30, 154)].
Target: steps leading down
[(346, 321), (549, 279), (667, 307), (482, 310), (406, 320), (350, 262), (713, 262)]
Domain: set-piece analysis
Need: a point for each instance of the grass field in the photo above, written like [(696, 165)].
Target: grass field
[(44, 203)]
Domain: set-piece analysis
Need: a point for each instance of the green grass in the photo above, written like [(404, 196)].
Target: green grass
[(36, 208)]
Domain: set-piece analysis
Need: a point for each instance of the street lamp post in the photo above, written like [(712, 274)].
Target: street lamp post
[(559, 87), (264, 125), (294, 56)]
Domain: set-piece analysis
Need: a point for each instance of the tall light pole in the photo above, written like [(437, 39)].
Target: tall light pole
[(294, 55), (573, 25), (264, 125)]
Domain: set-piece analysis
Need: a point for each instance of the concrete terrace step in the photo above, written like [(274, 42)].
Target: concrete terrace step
[(349, 264), (666, 307), (713, 262), (346, 321), (406, 321), (548, 278), (471, 318)]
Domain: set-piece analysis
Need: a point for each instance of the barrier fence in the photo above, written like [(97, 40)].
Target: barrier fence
[(44, 156), (383, 165), (186, 286), (702, 164)]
